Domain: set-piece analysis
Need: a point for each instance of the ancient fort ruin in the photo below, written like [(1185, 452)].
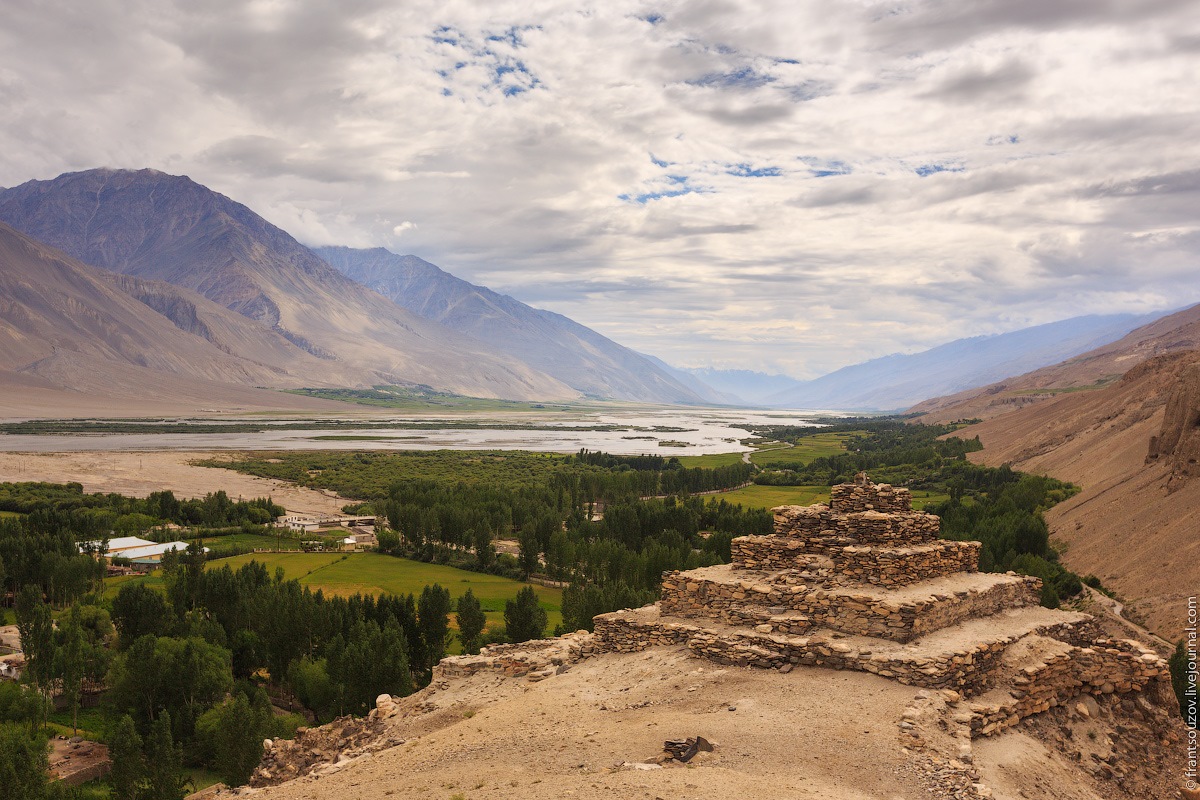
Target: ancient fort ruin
[(864, 583)]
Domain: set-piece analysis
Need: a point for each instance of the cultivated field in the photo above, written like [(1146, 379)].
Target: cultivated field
[(372, 573)]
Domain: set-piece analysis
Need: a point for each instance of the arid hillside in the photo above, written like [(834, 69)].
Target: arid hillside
[(1133, 525), (76, 339), (1093, 370), (596, 729), (168, 228)]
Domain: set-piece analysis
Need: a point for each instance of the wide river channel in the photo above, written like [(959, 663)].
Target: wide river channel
[(673, 431)]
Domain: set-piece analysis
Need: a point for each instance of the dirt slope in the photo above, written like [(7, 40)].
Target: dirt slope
[(1174, 333), (1127, 526), (589, 733)]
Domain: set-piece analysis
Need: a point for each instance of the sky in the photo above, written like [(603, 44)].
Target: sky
[(779, 186)]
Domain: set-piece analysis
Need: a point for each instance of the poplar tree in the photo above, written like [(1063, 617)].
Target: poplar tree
[(471, 620)]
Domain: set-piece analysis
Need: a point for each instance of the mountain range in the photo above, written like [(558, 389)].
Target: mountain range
[(150, 225), (107, 260), (549, 342), (1173, 333), (898, 381)]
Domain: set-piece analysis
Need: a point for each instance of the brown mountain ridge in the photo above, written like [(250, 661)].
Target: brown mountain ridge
[(155, 226)]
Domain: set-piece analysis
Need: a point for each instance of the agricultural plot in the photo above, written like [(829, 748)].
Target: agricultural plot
[(804, 451), (770, 496), (372, 573)]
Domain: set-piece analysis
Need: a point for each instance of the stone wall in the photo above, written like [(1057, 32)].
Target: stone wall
[(971, 670), (772, 553), (796, 608), (1106, 667), (840, 565), (882, 566), (850, 497), (524, 658), (818, 527)]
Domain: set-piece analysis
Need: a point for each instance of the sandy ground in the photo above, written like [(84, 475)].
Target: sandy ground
[(139, 473), (809, 734), (593, 732)]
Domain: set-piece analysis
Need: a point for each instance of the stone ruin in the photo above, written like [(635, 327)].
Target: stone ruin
[(864, 583)]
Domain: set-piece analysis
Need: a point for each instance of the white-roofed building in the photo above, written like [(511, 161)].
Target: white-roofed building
[(153, 552), (117, 546)]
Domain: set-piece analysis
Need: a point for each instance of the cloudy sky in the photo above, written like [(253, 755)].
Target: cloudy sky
[(783, 186)]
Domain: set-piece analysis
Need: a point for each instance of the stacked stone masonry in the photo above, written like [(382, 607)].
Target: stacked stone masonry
[(1106, 667), (864, 583), (793, 607), (864, 496), (840, 565)]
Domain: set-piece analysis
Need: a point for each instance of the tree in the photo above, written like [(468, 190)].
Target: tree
[(527, 541), (310, 680), (137, 611), (128, 768), (161, 674), (36, 629), (235, 731), (485, 551), (433, 616), (165, 779), (471, 619), (524, 618), (20, 704), (23, 763), (71, 662)]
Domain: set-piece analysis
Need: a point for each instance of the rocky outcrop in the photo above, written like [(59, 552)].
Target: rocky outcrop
[(1179, 439)]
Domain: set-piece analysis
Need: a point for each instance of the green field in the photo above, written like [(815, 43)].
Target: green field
[(254, 540), (113, 585), (770, 496), (711, 460), (921, 498), (373, 573), (4, 514), (805, 450)]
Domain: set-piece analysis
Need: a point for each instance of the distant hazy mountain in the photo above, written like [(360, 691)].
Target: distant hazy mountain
[(1171, 334), (753, 387), (550, 343), (709, 393), (152, 225), (900, 381)]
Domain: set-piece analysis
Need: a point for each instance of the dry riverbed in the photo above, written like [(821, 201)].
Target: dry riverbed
[(138, 473)]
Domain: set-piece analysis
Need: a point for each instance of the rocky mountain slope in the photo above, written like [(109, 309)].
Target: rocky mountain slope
[(551, 343), (69, 330), (151, 225), (899, 381), (1133, 525), (1175, 332)]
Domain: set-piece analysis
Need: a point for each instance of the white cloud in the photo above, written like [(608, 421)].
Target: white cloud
[(777, 186)]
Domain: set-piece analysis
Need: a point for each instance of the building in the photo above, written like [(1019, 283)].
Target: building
[(323, 523), (116, 547), (357, 542), (151, 555)]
